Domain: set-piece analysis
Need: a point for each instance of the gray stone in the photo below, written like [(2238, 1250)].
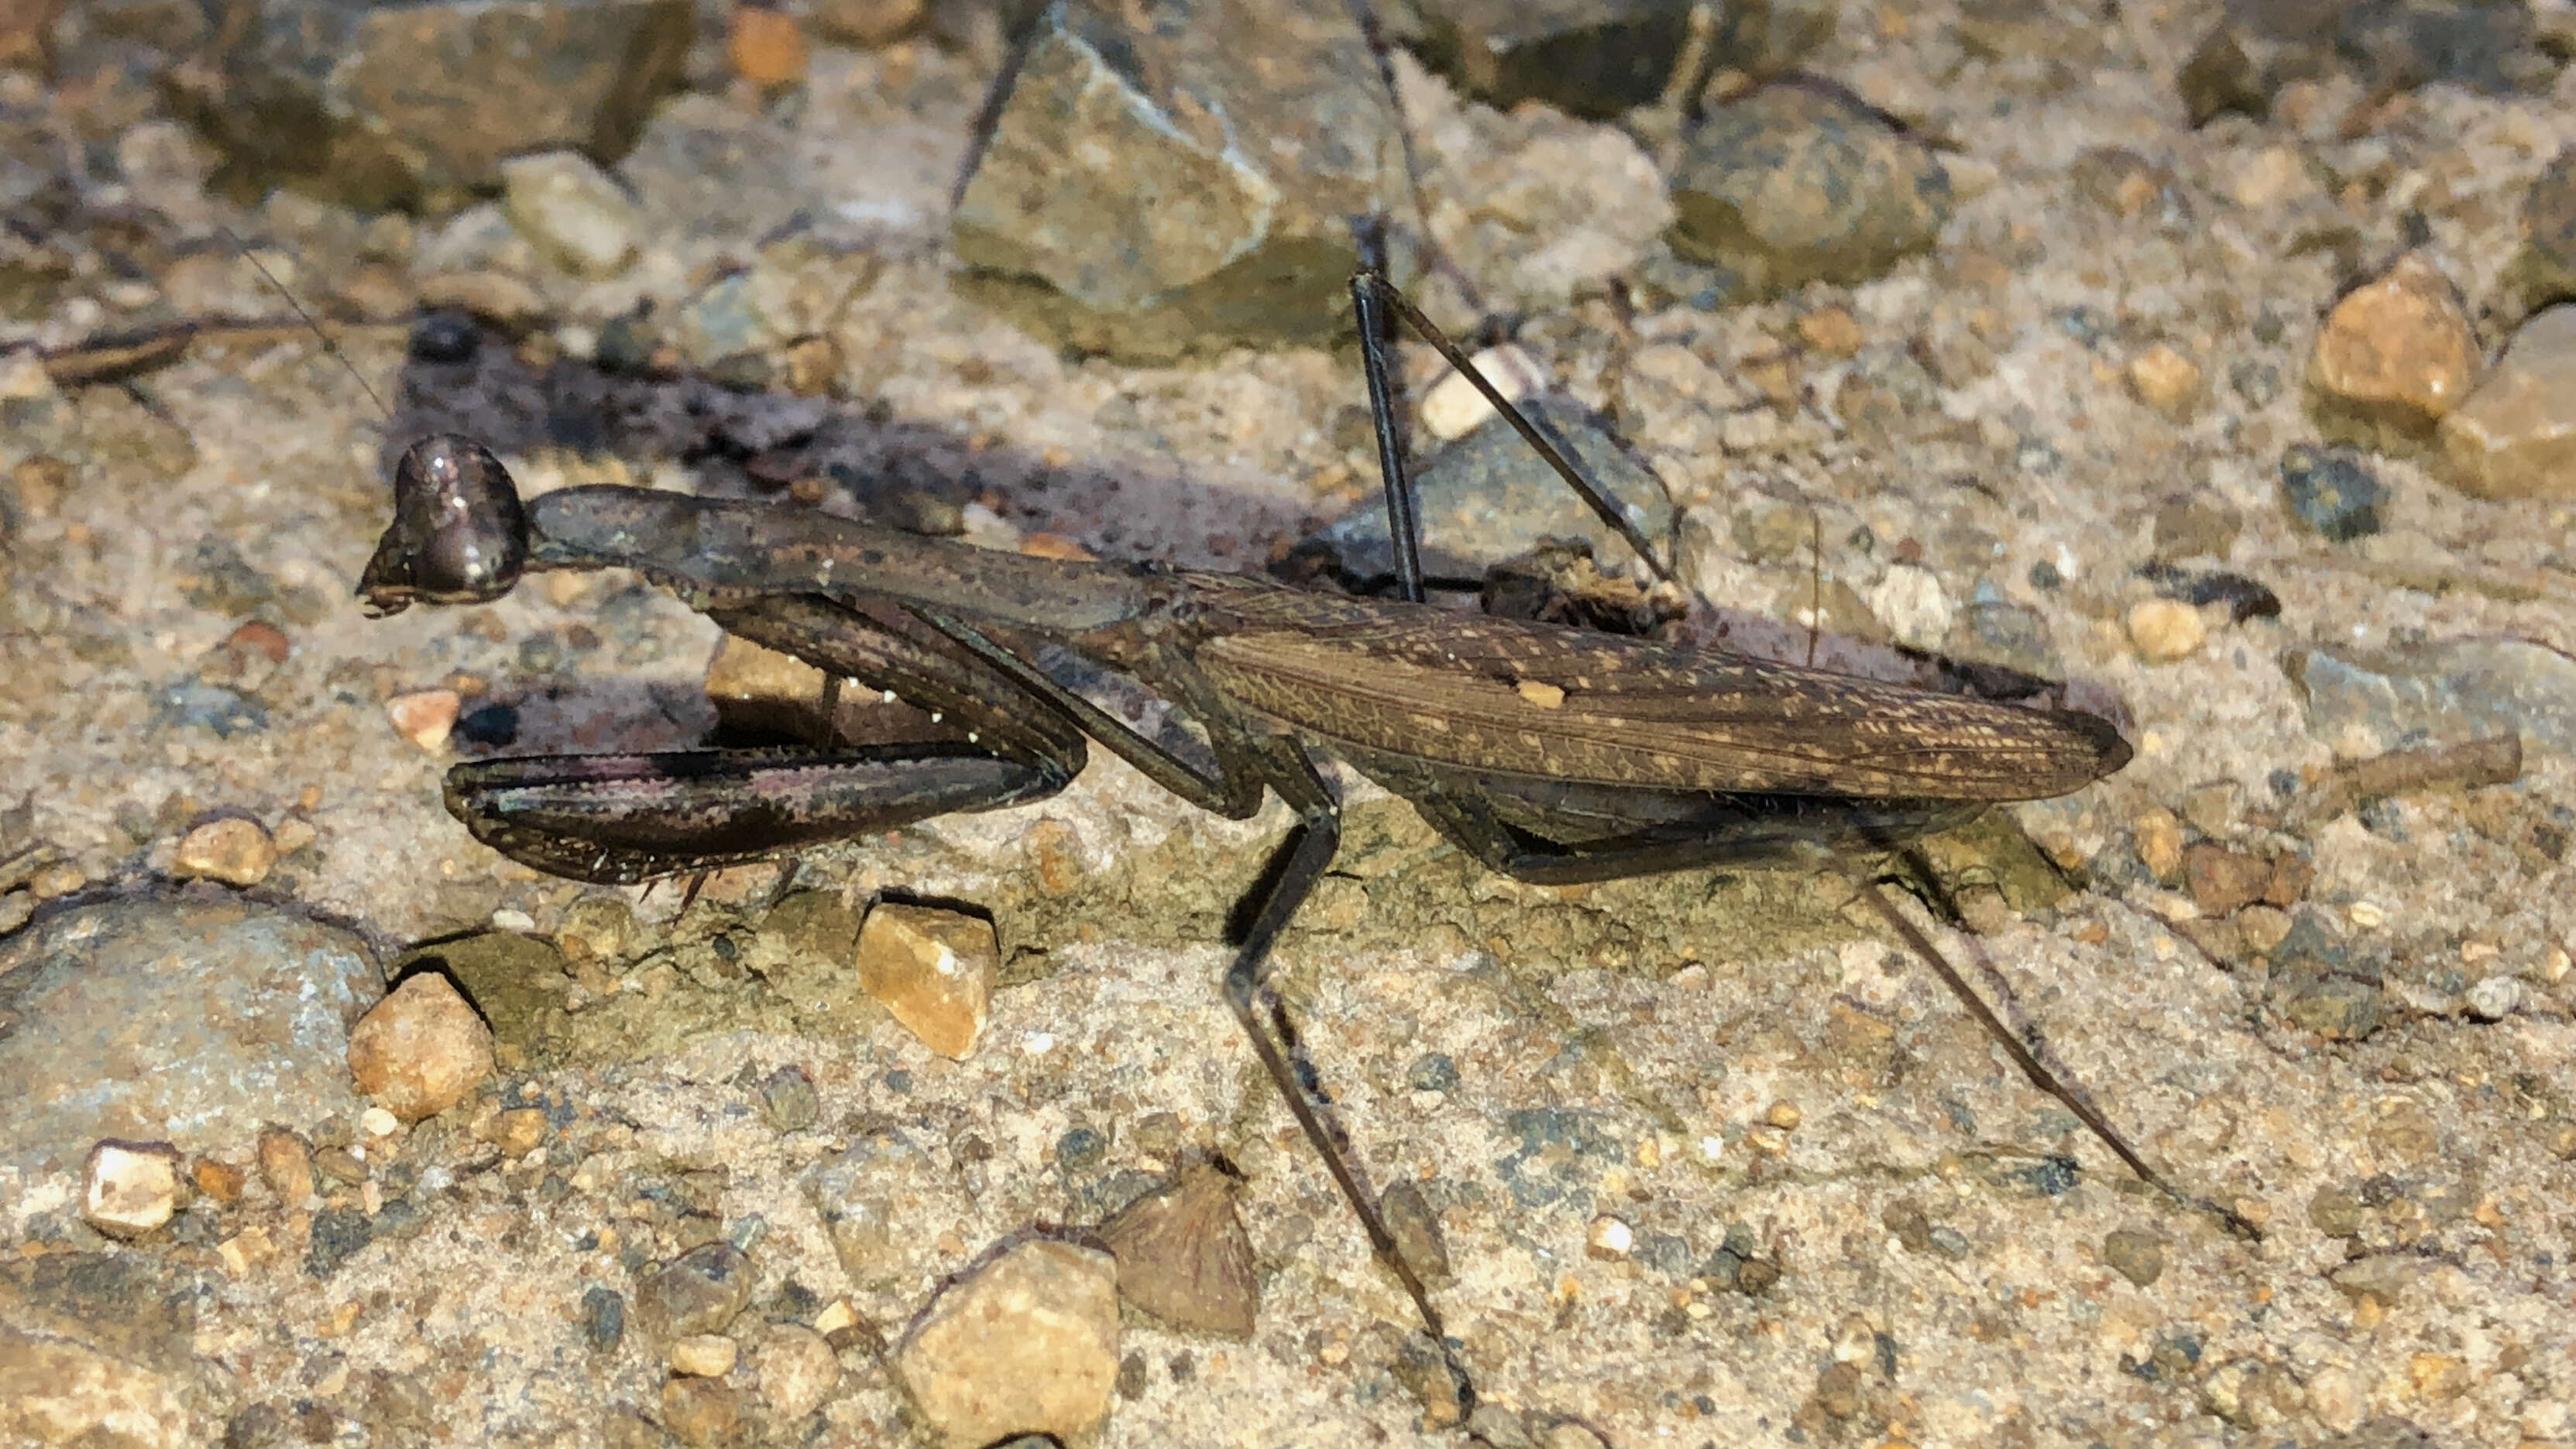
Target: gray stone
[(189, 1022), (1488, 497), (1597, 58), (1791, 185), (2439, 692), (1116, 205), (376, 105), (2262, 45), (699, 1291), (95, 1350), (2332, 492)]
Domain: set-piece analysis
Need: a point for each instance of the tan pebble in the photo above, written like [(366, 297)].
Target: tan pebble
[(2222, 880), (1783, 1115), (425, 716), (1055, 545), (1453, 407), (2165, 630), (2438, 1375), (130, 1188), (813, 366), (2159, 835), (260, 638), (377, 1122), (421, 1049), (701, 1411), (1831, 330), (2165, 380), (286, 1165), (58, 879), (2515, 437), (293, 834), (1026, 1343), (2396, 352), (765, 47), (2338, 1398), (518, 1131), (797, 1371), (933, 969), (2262, 927), (2270, 176), (1609, 1238), (221, 1183), (247, 1251), (233, 850), (704, 1355)]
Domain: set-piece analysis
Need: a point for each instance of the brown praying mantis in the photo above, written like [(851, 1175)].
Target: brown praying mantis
[(1547, 753)]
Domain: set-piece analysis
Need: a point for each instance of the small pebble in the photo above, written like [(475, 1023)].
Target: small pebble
[(1914, 606), (232, 849), (286, 1165), (2222, 880), (704, 1355), (1830, 330), (130, 1188), (1415, 1226), (700, 1291), (60, 878), (2332, 491), (789, 1099), (518, 1131), (700, 1411), (2165, 630), (377, 1122), (765, 47), (2159, 835), (220, 1183), (934, 970), (421, 1049), (572, 210), (1783, 1115), (2165, 380), (603, 1318), (2136, 1256), (796, 1370), (425, 717), (2515, 437), (1609, 1238), (2493, 998), (1028, 1342), (2393, 356), (1452, 407)]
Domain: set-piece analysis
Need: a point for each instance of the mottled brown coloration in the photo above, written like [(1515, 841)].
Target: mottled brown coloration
[(1473, 691)]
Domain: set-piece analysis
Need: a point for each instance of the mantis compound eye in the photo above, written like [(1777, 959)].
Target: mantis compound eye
[(458, 535)]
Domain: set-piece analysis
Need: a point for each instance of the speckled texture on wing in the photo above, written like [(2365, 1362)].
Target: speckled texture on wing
[(1468, 690)]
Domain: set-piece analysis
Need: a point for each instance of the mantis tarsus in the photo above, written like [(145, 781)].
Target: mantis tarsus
[(1547, 753)]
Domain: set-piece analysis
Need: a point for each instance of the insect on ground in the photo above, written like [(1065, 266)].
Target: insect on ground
[(1549, 754)]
